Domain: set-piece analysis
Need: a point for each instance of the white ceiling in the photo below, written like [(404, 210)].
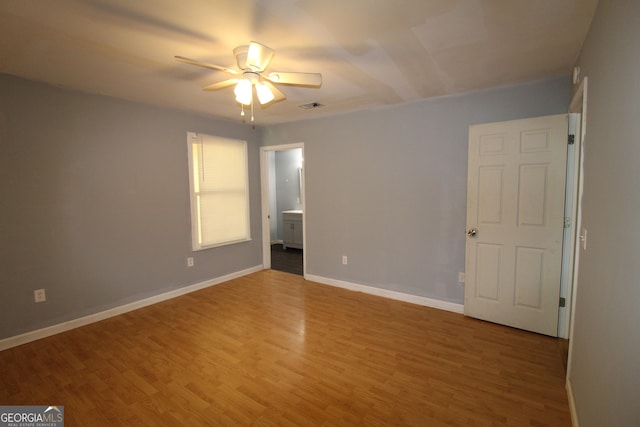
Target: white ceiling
[(371, 53)]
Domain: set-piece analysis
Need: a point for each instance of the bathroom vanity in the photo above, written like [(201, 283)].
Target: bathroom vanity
[(292, 229)]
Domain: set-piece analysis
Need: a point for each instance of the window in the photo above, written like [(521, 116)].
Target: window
[(219, 183)]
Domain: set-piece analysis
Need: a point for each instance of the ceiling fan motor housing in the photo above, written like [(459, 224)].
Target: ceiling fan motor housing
[(241, 56), (251, 76)]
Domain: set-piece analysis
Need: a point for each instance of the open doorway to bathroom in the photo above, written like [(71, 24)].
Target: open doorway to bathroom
[(284, 196)]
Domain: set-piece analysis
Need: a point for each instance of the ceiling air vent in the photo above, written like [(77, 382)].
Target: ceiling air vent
[(311, 106)]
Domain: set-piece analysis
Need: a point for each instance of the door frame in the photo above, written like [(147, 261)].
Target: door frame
[(578, 105), (570, 225), (264, 185)]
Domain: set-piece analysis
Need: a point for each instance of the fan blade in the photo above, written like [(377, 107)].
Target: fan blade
[(210, 66), (259, 56), (278, 95), (300, 79), (221, 85)]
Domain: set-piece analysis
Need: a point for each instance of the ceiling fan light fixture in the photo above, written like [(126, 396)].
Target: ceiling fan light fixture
[(253, 59), (244, 92), (264, 93)]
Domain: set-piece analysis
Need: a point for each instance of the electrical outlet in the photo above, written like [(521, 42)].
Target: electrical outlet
[(39, 295), (190, 261), (345, 261), (460, 277)]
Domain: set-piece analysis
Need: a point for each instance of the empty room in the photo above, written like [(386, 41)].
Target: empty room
[(319, 213)]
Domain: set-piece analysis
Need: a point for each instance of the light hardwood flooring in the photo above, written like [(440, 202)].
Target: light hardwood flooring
[(272, 349)]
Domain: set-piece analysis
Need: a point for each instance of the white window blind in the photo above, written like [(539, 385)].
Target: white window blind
[(219, 190)]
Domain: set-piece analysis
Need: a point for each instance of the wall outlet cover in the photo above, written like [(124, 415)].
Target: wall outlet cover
[(39, 295)]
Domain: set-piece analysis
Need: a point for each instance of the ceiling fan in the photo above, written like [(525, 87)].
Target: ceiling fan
[(252, 60)]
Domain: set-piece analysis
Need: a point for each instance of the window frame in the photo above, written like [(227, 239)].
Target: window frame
[(194, 138)]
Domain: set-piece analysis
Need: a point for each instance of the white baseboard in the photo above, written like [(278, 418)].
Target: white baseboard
[(414, 299), (96, 317), (572, 405)]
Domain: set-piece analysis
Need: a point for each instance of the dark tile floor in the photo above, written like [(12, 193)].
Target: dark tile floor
[(289, 260)]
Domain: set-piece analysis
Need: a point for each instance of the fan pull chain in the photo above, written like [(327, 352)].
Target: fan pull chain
[(241, 110), (252, 112)]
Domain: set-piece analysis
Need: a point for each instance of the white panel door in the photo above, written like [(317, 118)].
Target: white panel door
[(515, 217)]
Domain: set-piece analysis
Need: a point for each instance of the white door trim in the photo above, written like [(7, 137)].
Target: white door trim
[(578, 105), (264, 185), (570, 230)]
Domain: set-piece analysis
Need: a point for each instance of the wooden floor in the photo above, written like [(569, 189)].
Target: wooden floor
[(271, 349)]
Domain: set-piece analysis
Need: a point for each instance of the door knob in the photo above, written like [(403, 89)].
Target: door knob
[(473, 232)]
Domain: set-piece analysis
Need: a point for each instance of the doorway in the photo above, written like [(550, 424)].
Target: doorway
[(283, 211)]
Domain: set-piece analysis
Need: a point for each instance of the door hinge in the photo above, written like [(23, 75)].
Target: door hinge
[(563, 302), (571, 139), (567, 222)]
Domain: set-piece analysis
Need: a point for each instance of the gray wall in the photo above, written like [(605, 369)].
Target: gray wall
[(288, 183), (94, 204), (605, 364), (387, 187)]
